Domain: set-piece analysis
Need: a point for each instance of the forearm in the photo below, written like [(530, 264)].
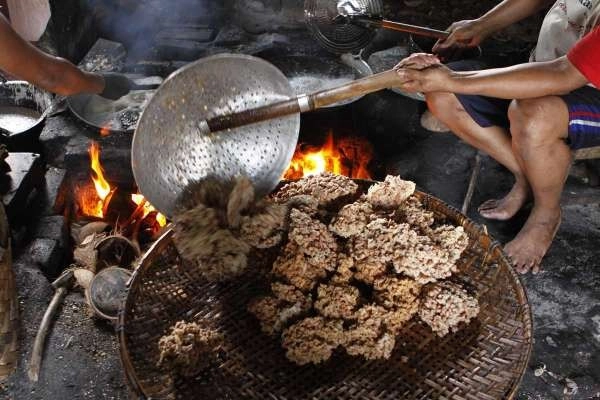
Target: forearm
[(21, 59), (510, 11), (62, 77), (520, 81)]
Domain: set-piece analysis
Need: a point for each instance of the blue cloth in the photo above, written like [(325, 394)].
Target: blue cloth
[(486, 111)]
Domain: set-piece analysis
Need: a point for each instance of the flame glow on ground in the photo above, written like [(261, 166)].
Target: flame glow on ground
[(349, 156), (94, 203)]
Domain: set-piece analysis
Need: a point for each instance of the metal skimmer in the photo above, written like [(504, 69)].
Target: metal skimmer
[(345, 26), (169, 152), (322, 18)]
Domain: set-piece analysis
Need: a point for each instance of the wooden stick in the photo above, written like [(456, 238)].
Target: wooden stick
[(472, 184), (308, 102), (139, 210), (62, 284), (414, 29)]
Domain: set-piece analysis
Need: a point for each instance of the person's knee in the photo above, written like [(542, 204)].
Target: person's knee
[(532, 120), (441, 104)]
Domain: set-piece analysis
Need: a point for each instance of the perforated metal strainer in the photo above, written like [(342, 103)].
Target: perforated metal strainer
[(322, 19), (169, 152), (347, 26)]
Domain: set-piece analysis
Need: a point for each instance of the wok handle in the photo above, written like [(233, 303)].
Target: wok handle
[(414, 29), (304, 103)]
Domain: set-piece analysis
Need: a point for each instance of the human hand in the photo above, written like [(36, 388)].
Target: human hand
[(437, 78), (115, 85), (463, 34), (418, 61)]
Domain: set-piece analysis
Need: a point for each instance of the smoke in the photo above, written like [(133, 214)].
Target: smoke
[(136, 23)]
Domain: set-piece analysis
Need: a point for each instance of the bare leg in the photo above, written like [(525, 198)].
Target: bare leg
[(495, 141), (539, 127)]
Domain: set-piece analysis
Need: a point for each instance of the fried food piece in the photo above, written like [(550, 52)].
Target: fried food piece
[(313, 238), (445, 305), (200, 240), (290, 294), (454, 239), (391, 193), (310, 253), (209, 192), (400, 297), (382, 240), (188, 349), (312, 340), (329, 189), (293, 267), (305, 203), (425, 261), (241, 198), (369, 337), (274, 314), (368, 270), (344, 271), (413, 213), (207, 212), (373, 349), (352, 219), (433, 258), (392, 292), (266, 310), (338, 302), (265, 228)]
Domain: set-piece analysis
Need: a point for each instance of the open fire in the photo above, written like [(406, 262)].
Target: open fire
[(348, 155), (94, 200)]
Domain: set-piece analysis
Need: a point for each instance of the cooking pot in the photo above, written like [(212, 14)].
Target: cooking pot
[(22, 106)]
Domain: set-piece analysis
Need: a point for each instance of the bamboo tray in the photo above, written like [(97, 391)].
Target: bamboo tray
[(483, 361)]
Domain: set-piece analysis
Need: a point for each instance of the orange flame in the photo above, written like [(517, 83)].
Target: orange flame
[(104, 131), (349, 156), (95, 203), (101, 184), (148, 208)]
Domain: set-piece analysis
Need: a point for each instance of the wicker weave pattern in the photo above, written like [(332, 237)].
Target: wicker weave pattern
[(484, 360), (9, 307)]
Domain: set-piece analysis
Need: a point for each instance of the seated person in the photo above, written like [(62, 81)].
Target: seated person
[(553, 110)]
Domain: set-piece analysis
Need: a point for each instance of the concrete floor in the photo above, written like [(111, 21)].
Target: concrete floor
[(82, 361)]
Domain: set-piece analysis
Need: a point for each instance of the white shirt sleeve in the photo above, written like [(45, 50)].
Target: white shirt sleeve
[(29, 18)]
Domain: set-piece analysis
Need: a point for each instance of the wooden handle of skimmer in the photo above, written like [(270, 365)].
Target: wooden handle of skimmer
[(304, 103), (414, 29)]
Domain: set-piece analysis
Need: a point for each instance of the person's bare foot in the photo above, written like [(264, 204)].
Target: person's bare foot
[(530, 245), (506, 207)]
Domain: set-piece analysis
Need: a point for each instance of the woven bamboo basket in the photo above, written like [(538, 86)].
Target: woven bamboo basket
[(485, 360), (9, 306)]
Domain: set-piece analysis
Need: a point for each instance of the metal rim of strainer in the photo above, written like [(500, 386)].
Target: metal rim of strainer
[(168, 151)]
